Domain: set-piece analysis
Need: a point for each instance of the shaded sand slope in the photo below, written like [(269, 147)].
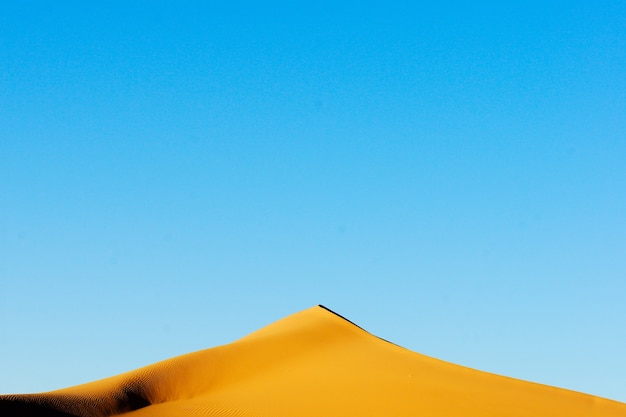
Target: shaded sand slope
[(313, 363)]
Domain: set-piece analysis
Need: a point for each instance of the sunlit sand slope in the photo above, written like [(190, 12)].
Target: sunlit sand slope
[(313, 363)]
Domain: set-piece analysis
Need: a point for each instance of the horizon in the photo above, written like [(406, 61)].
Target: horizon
[(449, 177)]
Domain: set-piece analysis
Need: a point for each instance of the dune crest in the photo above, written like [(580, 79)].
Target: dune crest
[(312, 363)]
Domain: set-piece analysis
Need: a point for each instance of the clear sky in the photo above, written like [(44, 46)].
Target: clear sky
[(451, 177)]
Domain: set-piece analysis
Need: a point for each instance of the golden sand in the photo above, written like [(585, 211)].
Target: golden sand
[(313, 363)]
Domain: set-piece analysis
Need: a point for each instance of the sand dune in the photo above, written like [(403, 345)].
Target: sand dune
[(313, 363)]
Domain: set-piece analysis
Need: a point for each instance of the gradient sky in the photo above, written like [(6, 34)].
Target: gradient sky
[(175, 175)]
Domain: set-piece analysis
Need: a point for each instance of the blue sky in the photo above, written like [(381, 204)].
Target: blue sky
[(450, 177)]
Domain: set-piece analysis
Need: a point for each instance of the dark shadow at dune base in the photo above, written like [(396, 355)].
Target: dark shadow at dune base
[(46, 405), (16, 407)]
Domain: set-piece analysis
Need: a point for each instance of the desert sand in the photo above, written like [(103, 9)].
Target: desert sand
[(312, 363)]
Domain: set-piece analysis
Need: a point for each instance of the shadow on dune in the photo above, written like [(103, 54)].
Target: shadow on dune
[(17, 407), (45, 405)]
